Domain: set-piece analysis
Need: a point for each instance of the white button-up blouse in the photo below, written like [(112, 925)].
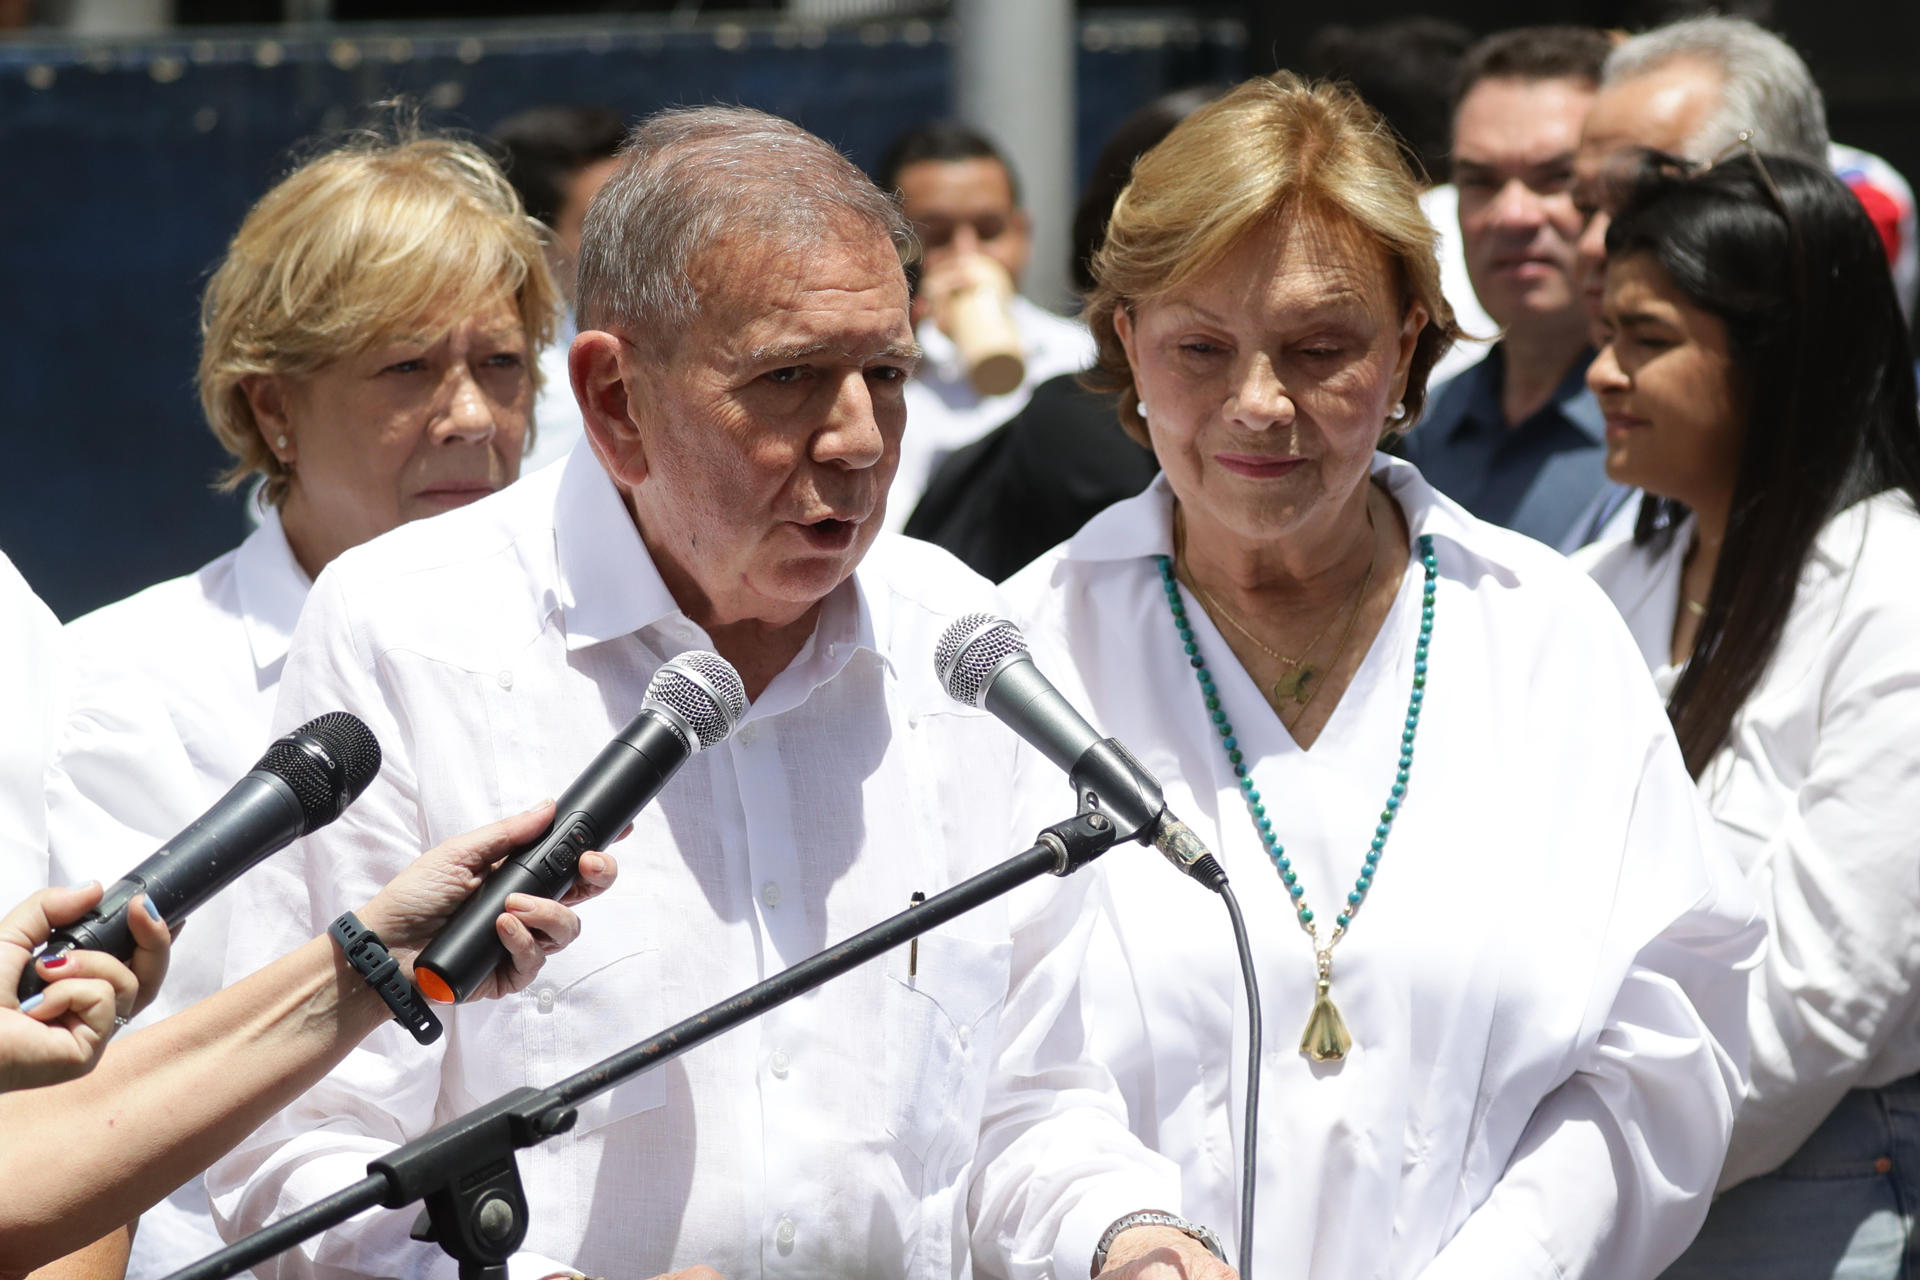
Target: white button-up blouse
[(1542, 986), (888, 1124), (171, 703), (1817, 796), (205, 650), (35, 653)]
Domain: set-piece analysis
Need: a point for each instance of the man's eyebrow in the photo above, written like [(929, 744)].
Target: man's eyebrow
[(801, 353), (1560, 160)]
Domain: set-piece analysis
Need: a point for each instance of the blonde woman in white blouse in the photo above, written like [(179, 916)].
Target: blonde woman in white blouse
[(1479, 885), (368, 349), (1757, 382)]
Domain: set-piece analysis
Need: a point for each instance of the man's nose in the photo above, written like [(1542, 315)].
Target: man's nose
[(852, 437)]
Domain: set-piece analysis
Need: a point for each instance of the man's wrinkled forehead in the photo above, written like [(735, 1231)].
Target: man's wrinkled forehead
[(744, 282)]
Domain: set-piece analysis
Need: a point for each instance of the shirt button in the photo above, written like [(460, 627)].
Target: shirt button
[(544, 999), (748, 734), (779, 1063), (784, 1233), (770, 893), (506, 679), (965, 1036)]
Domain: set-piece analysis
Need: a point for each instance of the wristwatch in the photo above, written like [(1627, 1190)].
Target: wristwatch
[(1154, 1218)]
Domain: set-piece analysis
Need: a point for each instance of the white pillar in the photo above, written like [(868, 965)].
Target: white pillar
[(1013, 64), (119, 17)]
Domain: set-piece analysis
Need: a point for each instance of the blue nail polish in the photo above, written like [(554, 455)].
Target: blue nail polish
[(32, 1002), (146, 905)]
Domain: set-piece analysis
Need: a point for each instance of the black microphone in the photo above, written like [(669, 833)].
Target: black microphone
[(306, 780), (983, 661), (692, 702)]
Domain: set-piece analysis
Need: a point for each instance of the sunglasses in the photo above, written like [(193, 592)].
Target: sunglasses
[(1630, 167)]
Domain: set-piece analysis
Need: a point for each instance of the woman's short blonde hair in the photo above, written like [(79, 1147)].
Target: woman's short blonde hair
[(1273, 149), (353, 249)]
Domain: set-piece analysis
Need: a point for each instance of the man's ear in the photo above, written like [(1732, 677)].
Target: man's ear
[(266, 395), (606, 396)]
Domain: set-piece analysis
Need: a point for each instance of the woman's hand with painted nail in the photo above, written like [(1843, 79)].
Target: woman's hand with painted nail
[(60, 1032)]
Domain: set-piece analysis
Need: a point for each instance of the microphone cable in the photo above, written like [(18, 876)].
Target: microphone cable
[(1249, 1166)]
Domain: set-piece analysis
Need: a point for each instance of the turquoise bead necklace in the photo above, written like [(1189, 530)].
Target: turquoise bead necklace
[(1326, 1038)]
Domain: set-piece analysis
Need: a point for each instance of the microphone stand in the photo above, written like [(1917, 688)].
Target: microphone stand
[(464, 1171)]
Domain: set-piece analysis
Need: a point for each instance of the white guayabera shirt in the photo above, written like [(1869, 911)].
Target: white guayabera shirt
[(1817, 795), (883, 1125), (172, 702), (1543, 985)]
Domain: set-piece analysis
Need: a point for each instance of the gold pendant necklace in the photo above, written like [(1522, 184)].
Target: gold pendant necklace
[(1287, 688), (1299, 683)]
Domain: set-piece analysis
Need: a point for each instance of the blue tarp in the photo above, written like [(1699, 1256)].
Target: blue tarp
[(128, 165)]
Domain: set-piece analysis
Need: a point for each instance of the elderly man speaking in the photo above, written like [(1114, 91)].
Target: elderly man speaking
[(740, 372)]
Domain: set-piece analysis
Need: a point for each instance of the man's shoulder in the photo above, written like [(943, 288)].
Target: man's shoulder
[(1452, 402), (447, 572)]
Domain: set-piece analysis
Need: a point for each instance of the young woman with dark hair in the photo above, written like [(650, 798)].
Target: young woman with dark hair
[(1756, 384)]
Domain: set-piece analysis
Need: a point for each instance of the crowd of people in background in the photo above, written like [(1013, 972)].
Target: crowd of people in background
[(1478, 487)]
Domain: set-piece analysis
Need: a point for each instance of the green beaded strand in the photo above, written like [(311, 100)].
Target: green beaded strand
[(1263, 824)]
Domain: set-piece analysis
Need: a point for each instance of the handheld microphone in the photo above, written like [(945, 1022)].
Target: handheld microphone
[(303, 782), (692, 702), (983, 662)]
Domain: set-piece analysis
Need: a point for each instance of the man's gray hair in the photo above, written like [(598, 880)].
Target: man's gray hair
[(693, 176), (1766, 88)]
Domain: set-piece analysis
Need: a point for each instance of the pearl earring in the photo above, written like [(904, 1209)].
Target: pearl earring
[(1140, 409), (279, 442), (1399, 411)]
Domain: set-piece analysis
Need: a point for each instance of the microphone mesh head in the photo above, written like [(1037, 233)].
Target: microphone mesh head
[(702, 691), (328, 761), (970, 651)]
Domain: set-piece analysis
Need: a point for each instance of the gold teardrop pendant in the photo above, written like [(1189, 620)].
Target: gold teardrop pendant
[(1326, 1038)]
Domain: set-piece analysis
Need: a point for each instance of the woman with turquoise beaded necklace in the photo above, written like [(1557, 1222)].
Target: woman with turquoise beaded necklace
[(1418, 744)]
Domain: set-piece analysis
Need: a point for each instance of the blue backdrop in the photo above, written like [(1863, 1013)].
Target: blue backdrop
[(130, 165)]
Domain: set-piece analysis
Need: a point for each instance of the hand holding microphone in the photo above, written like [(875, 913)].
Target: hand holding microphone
[(692, 702), (304, 781), (983, 662), (60, 1032)]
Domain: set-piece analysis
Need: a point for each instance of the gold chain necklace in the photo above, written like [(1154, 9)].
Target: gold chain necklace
[(1299, 675)]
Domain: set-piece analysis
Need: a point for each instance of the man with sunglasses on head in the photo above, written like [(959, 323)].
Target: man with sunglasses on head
[(1692, 89)]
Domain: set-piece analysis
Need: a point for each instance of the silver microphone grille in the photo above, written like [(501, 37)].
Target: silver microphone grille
[(701, 690), (970, 651)]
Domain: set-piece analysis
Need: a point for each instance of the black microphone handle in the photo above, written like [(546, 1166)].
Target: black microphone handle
[(258, 817), (628, 772)]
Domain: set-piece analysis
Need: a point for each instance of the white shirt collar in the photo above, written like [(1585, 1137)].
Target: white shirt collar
[(608, 585), (1143, 525), (272, 587)]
